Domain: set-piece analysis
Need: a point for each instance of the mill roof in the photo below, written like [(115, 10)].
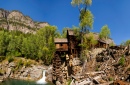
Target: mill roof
[(60, 40), (70, 32)]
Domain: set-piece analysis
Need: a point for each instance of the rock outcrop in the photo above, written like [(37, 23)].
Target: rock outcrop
[(10, 70), (15, 20)]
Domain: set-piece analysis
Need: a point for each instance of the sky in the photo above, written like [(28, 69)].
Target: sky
[(60, 13)]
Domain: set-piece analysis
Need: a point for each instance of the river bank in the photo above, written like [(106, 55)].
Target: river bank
[(21, 69)]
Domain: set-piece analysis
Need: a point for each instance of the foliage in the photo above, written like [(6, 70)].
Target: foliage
[(10, 58), (84, 43), (33, 46), (96, 69), (122, 61), (83, 57), (46, 44), (111, 79), (4, 40), (126, 43), (13, 46), (105, 32), (76, 32), (2, 58), (57, 34), (122, 43), (19, 64), (91, 40), (78, 2), (64, 32), (27, 63), (86, 17), (86, 22), (111, 44), (69, 81), (2, 72)]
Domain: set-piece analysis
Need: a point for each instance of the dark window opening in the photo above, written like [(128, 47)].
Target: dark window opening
[(61, 44)]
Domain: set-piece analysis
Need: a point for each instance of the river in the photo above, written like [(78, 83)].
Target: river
[(20, 82)]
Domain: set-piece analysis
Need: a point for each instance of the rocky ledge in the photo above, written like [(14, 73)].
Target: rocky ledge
[(32, 72)]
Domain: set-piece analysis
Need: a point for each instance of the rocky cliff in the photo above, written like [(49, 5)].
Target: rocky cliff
[(15, 20), (17, 69)]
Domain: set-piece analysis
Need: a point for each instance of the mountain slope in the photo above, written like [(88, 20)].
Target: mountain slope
[(15, 20)]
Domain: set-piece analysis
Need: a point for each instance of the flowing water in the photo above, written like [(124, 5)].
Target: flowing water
[(42, 80)]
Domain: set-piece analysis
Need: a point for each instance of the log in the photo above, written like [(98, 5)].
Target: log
[(84, 82), (57, 70), (76, 77), (99, 72), (95, 79), (58, 83), (63, 66), (108, 83)]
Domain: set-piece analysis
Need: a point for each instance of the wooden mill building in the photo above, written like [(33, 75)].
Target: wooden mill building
[(69, 45), (67, 49)]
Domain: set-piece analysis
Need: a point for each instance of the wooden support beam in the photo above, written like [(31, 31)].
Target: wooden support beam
[(98, 72)]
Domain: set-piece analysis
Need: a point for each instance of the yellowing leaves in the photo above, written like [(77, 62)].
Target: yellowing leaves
[(86, 19)]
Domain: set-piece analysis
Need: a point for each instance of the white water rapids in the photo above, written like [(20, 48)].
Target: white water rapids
[(42, 80)]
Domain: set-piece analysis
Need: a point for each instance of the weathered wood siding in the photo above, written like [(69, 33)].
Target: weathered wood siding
[(63, 46)]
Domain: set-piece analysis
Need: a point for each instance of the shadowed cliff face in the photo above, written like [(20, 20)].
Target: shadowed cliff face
[(15, 20)]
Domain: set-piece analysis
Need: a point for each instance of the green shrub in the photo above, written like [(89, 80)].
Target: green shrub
[(20, 63), (122, 61), (17, 54), (10, 58), (69, 81), (96, 69), (83, 58), (110, 79), (2, 72), (2, 58), (27, 63)]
